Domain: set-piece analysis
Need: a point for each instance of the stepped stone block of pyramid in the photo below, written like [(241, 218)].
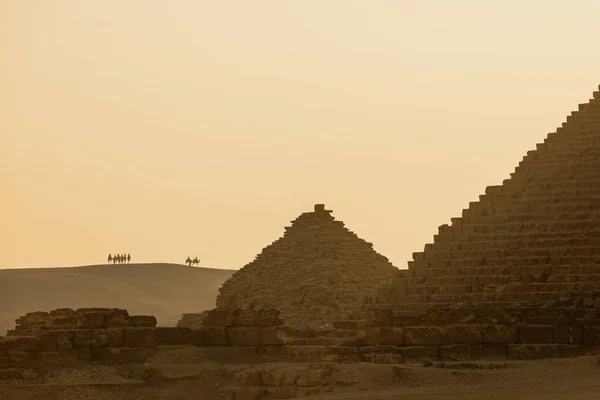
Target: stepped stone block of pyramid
[(316, 273), (534, 240)]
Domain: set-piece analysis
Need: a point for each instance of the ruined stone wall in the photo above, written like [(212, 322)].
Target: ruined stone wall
[(45, 339)]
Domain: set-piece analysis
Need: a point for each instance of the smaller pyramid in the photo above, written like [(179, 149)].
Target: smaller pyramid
[(316, 273)]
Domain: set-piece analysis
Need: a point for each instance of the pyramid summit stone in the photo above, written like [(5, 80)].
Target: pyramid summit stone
[(316, 273), (534, 240)]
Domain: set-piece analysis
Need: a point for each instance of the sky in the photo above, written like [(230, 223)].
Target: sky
[(168, 129)]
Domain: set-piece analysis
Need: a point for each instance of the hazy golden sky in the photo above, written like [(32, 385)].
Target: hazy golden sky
[(175, 128)]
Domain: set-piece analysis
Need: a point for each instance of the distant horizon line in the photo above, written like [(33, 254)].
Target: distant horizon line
[(113, 265)]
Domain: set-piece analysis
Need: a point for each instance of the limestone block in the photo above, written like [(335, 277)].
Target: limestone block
[(91, 320), (213, 336), (246, 318), (591, 335), (381, 317), (499, 334), (269, 318), (248, 377), (488, 351), (350, 324), (536, 334), (62, 340), (281, 376), (62, 312), (173, 336), (20, 343), (376, 336), (117, 320), (271, 336), (303, 353), (424, 335), (455, 352), (12, 374), (223, 318), (18, 359), (147, 321), (111, 337), (139, 337), (420, 353), (538, 351), (464, 334), (63, 322), (568, 334), (242, 336), (80, 339), (33, 319), (384, 358)]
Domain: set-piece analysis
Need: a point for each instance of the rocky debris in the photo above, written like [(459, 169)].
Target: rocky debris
[(316, 273), (288, 381)]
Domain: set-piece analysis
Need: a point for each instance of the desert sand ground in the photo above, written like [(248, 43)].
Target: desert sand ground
[(163, 290), (196, 373)]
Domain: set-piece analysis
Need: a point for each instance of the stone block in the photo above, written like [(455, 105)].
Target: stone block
[(197, 337), (464, 334), (303, 353), (142, 321), (214, 336), (499, 334), (33, 319), (246, 318), (222, 318), (591, 335), (270, 336), (80, 339), (420, 353), (350, 324), (539, 351), (173, 336), (117, 320), (66, 322), (384, 336), (242, 336), (269, 318), (12, 374), (536, 334), (20, 343), (91, 320), (60, 340), (424, 335), (61, 312), (488, 351), (455, 352), (568, 334), (384, 358), (139, 337), (111, 337), (381, 318)]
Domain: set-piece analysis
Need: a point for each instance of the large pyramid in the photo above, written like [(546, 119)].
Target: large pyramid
[(316, 273), (532, 241)]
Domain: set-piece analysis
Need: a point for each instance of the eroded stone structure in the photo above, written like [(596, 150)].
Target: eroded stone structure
[(521, 268), (534, 240), (316, 273)]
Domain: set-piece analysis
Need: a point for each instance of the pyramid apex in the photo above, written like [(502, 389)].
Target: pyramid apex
[(320, 208)]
